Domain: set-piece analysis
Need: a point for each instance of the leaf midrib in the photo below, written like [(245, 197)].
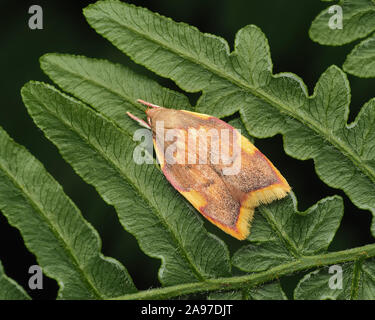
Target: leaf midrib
[(114, 92), (282, 235), (96, 83), (358, 270), (356, 279), (37, 208), (253, 279), (313, 125), (185, 255)]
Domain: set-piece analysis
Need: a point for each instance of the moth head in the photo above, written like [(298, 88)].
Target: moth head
[(168, 118), (164, 117)]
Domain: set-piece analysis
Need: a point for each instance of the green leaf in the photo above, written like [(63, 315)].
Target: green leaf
[(9, 289), (358, 282), (269, 291), (361, 61), (99, 145), (228, 295), (172, 50), (282, 234), (165, 225), (358, 22), (111, 89), (66, 246), (313, 127), (79, 75), (238, 124)]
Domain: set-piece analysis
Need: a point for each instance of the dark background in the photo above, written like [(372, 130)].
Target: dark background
[(285, 23)]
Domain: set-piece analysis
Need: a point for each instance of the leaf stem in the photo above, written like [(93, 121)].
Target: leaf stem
[(254, 279)]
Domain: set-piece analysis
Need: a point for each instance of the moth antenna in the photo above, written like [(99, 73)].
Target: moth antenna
[(140, 121), (148, 104)]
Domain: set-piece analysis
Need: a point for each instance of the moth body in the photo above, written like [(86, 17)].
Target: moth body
[(219, 171)]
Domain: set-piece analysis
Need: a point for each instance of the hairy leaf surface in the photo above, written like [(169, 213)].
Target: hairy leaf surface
[(112, 89), (10, 289), (281, 234), (340, 282), (164, 223), (269, 291), (361, 61), (67, 247), (313, 126), (358, 21)]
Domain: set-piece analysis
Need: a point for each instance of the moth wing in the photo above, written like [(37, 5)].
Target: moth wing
[(227, 200), (208, 193)]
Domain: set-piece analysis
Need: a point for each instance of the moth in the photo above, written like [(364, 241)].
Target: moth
[(218, 170)]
